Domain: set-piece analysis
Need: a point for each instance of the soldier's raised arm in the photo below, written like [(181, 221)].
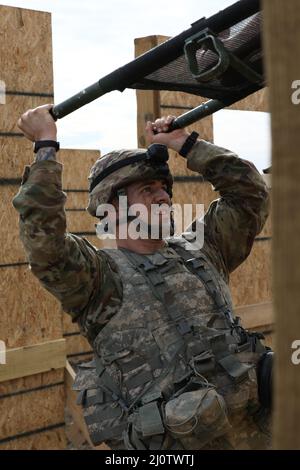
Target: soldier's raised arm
[(67, 266), (234, 220)]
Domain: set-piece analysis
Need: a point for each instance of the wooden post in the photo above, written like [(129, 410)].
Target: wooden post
[(282, 45)]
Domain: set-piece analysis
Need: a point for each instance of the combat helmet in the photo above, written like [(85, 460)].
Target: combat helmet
[(118, 169)]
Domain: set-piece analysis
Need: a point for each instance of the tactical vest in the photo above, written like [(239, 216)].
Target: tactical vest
[(175, 333)]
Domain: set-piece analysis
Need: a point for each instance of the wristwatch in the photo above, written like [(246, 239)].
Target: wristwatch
[(39, 144), (188, 144)]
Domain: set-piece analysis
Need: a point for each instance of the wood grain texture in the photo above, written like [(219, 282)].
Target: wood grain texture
[(33, 359), (251, 282), (29, 411), (76, 167), (14, 107), (15, 153), (48, 440), (26, 50), (282, 47), (28, 313), (23, 384)]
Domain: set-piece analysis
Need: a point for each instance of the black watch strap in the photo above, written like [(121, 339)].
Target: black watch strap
[(39, 144), (188, 144)]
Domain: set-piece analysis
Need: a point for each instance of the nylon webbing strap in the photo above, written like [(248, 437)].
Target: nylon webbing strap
[(205, 272), (155, 279), (108, 384)]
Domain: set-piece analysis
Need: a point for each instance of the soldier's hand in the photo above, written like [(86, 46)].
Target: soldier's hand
[(157, 133), (38, 124)]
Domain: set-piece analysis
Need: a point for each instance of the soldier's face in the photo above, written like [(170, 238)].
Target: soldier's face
[(154, 197)]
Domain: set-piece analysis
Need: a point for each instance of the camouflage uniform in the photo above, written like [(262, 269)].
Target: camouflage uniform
[(142, 362)]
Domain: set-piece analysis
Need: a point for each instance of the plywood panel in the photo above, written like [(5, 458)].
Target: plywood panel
[(256, 102), (26, 50), (48, 440), (77, 344), (14, 107), (15, 153), (80, 221), (148, 101), (31, 403), (77, 164), (77, 200), (68, 325), (33, 410), (250, 283), (23, 384), (28, 313), (11, 248)]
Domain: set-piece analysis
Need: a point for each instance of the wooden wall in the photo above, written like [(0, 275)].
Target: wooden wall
[(31, 385), (251, 282), (38, 336)]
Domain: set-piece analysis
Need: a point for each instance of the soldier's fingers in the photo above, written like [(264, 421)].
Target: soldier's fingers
[(170, 119), (149, 130)]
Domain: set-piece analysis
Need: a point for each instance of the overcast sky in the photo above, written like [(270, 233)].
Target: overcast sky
[(93, 37)]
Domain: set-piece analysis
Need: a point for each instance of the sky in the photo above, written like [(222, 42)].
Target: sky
[(91, 38)]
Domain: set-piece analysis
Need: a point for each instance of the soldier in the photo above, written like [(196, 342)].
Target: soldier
[(173, 367)]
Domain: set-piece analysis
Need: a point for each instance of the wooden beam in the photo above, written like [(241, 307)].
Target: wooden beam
[(30, 360), (148, 101), (256, 316), (282, 50)]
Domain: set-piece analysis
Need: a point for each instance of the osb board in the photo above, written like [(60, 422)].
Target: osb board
[(28, 313), (23, 384), (147, 100), (170, 99), (77, 344), (11, 248), (256, 102), (77, 164), (250, 283), (78, 200), (80, 221), (173, 99), (32, 410), (15, 153), (67, 324), (25, 48), (14, 107), (43, 407), (48, 440)]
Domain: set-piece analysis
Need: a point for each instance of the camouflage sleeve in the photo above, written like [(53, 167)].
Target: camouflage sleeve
[(67, 266), (234, 220)]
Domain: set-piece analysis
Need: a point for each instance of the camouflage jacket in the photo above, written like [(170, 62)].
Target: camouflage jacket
[(86, 281)]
